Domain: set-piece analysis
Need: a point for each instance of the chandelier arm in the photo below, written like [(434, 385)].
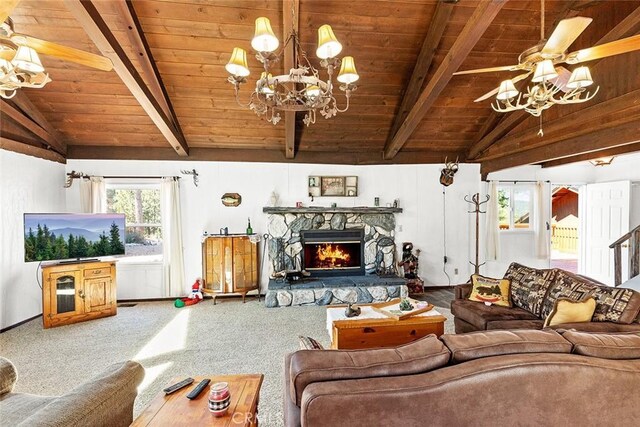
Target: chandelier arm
[(348, 96)]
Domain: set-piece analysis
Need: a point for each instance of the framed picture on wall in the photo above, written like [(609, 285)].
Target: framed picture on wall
[(332, 186)]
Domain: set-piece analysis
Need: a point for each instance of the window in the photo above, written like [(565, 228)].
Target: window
[(141, 205), (515, 207)]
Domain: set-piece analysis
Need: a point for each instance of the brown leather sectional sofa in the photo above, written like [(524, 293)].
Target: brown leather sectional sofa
[(493, 378), (533, 294)]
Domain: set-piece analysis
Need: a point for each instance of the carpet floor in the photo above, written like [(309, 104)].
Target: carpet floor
[(228, 338)]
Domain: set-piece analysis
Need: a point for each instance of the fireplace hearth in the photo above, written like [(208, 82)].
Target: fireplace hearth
[(333, 252)]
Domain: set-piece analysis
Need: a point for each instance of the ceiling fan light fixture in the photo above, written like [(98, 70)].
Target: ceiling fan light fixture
[(544, 71), (237, 65), (507, 90), (27, 59), (580, 77), (264, 40), (602, 161), (348, 73), (328, 44)]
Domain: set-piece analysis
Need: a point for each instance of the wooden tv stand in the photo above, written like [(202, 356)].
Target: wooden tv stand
[(75, 292)]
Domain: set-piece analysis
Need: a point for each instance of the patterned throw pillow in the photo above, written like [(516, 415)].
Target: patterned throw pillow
[(569, 286), (618, 305), (569, 311), (529, 286), (308, 343), (488, 290)]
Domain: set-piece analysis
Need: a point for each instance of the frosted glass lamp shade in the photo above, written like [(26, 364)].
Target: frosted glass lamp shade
[(237, 65), (544, 71), (27, 59), (581, 77), (348, 73), (507, 90), (328, 44), (263, 83), (313, 91), (264, 40)]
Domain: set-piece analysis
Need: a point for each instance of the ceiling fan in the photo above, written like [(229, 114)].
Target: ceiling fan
[(20, 64), (549, 77)]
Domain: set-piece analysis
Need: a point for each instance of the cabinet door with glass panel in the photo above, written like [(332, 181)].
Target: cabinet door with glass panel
[(64, 299)]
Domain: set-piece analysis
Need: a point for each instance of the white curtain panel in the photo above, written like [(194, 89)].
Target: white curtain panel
[(493, 224), (543, 198), (172, 255), (98, 195), (85, 195)]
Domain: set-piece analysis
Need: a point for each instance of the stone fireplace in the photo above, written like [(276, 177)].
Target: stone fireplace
[(342, 248)]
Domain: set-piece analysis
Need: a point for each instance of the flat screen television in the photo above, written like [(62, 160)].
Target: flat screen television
[(57, 236)]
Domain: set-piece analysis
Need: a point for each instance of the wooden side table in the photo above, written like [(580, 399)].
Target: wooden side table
[(176, 410)]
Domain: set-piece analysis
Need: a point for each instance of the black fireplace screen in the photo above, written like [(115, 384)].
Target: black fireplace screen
[(333, 252)]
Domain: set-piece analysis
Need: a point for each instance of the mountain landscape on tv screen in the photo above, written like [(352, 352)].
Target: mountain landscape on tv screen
[(63, 236)]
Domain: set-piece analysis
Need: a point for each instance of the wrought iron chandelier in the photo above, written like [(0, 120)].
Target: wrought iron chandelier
[(20, 66), (301, 89), (547, 91)]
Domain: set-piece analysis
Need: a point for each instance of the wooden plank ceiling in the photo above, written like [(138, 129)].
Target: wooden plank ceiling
[(94, 114)]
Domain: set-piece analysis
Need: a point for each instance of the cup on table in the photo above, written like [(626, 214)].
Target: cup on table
[(219, 399)]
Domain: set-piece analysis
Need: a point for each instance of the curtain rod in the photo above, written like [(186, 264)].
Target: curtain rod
[(515, 181), (80, 175)]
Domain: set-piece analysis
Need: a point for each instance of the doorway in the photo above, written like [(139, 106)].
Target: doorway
[(565, 226)]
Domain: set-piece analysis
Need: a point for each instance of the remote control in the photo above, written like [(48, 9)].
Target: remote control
[(178, 386), (196, 391)]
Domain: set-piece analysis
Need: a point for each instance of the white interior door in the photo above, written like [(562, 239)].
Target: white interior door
[(606, 219)]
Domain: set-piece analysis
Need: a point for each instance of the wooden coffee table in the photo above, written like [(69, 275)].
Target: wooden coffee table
[(176, 410), (372, 329)]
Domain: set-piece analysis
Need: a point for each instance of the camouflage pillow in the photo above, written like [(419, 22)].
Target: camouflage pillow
[(568, 286), (618, 305), (529, 286)]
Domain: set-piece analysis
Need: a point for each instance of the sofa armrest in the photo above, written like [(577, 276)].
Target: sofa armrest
[(462, 291), (8, 376), (105, 400)]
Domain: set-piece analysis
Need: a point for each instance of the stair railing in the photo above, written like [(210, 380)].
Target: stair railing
[(633, 237)]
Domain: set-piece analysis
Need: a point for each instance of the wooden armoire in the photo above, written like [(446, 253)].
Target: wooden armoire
[(230, 265)]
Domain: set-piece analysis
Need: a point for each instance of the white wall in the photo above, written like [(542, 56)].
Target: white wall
[(27, 184), (416, 186)]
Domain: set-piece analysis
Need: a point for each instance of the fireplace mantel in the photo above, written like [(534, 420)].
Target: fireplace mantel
[(323, 210)]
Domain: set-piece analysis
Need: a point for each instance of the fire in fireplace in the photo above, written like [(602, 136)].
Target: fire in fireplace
[(333, 252)]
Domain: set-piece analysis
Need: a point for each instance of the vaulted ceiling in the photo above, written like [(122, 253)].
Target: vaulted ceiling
[(408, 107)]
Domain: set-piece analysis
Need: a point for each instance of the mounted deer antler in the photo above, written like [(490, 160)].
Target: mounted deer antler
[(447, 173)]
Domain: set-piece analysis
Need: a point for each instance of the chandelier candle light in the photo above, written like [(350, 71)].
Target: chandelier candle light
[(301, 89)]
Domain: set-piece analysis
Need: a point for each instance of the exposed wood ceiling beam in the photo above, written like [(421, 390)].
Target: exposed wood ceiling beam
[(506, 123), (423, 63), (255, 155), (145, 59), (482, 17), (22, 148), (95, 27), (23, 102), (615, 151), (627, 27), (596, 140), (19, 117), (288, 23)]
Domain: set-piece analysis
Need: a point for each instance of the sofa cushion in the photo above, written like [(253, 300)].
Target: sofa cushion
[(618, 305), (569, 286), (308, 367), (489, 290), (479, 315), (8, 375), (529, 286), (605, 346), (17, 407), (515, 324), (569, 311), (606, 327), (475, 345)]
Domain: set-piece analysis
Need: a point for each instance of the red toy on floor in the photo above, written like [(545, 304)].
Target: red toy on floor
[(196, 293)]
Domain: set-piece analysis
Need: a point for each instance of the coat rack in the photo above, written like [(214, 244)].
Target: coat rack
[(475, 201)]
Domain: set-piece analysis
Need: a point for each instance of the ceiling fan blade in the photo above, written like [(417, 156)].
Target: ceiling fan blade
[(63, 52), (567, 31), (563, 78), (617, 47), (495, 91), (7, 54), (488, 70), (6, 7)]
